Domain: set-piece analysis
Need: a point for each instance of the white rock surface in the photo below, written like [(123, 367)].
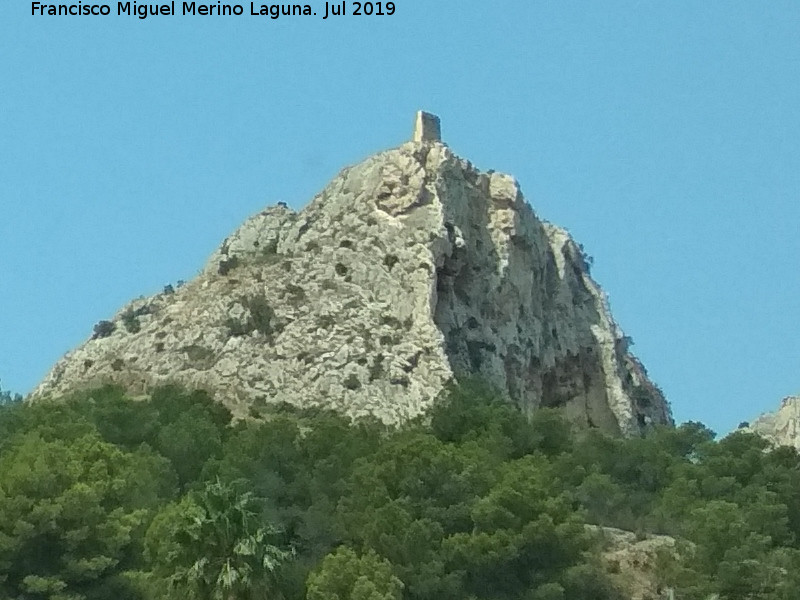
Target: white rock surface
[(783, 426), (407, 269), (632, 562)]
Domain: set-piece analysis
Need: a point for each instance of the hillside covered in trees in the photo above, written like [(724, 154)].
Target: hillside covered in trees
[(102, 496)]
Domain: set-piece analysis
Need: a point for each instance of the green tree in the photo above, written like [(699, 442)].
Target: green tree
[(184, 419), (71, 512), (604, 500), (118, 418), (471, 411), (7, 398), (343, 575), (406, 498), (213, 545), (526, 535)]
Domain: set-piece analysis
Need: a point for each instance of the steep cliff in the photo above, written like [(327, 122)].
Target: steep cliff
[(408, 269)]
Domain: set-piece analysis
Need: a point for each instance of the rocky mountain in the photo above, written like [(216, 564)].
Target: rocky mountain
[(409, 269), (783, 426)]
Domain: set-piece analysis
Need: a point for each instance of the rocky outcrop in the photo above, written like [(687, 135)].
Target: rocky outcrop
[(632, 562), (781, 427), (408, 269)]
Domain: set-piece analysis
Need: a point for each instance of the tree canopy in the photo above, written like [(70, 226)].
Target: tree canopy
[(105, 496)]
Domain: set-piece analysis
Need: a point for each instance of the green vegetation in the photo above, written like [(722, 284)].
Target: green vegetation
[(227, 265), (260, 317), (211, 544), (344, 575), (105, 497), (7, 398), (131, 321), (103, 329)]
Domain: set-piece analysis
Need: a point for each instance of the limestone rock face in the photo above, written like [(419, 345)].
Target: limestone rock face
[(783, 426), (407, 270), (632, 562)]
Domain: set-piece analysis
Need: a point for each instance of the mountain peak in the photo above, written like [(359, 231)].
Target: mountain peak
[(408, 270), (783, 426)]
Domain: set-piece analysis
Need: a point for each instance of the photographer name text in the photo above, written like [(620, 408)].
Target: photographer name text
[(218, 9)]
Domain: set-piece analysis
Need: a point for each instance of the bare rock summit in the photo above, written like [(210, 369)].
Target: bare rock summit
[(781, 428), (407, 270)]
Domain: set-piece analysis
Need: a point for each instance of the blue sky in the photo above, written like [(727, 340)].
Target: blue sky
[(664, 136)]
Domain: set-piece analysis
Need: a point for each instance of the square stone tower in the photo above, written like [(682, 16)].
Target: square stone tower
[(427, 128)]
